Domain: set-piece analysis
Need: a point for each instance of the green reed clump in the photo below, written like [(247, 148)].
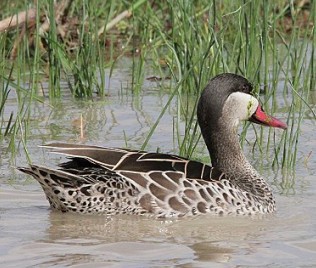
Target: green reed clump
[(40, 57), (6, 118), (244, 37), (6, 124), (78, 56), (78, 67), (298, 69), (13, 122), (187, 41), (186, 48)]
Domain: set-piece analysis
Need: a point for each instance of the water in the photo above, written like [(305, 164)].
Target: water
[(32, 235)]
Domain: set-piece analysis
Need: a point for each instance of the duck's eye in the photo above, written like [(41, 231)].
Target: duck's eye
[(246, 89)]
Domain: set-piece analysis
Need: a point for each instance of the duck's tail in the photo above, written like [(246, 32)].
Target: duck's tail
[(63, 190)]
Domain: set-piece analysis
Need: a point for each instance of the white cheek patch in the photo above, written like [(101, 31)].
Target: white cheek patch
[(240, 106)]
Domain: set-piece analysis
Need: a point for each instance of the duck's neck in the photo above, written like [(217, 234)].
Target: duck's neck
[(227, 157), (225, 151)]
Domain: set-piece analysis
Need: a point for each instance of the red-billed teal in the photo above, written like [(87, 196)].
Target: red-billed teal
[(98, 180)]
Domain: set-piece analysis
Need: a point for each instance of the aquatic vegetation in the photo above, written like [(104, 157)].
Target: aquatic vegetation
[(182, 43)]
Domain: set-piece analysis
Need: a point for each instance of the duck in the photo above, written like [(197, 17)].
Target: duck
[(111, 181)]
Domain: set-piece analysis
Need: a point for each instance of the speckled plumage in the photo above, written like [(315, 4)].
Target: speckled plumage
[(110, 181)]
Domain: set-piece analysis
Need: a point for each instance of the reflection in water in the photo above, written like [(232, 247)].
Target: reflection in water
[(179, 241), (211, 252)]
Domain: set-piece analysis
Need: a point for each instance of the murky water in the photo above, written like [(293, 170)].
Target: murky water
[(32, 235)]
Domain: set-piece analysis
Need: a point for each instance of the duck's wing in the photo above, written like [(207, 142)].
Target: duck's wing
[(96, 190), (118, 181), (118, 159)]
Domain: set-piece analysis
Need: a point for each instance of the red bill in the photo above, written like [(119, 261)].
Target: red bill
[(260, 117)]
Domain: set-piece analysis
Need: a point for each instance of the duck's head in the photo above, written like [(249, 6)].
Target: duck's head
[(227, 100)]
